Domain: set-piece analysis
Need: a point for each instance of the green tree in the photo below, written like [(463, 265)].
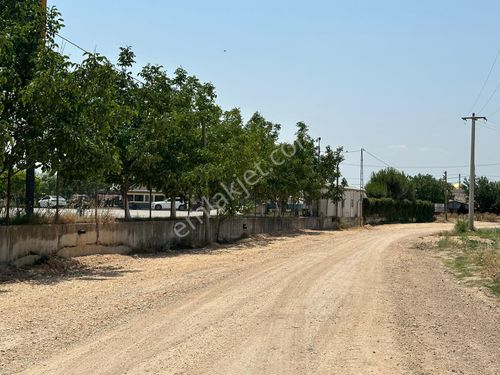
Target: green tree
[(296, 174), (21, 52), (126, 133), (486, 193), (333, 188), (428, 188), (262, 137), (390, 183)]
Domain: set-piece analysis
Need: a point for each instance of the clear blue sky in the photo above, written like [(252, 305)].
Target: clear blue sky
[(393, 77)]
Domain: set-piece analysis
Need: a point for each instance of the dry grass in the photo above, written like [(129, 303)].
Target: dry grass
[(474, 256), (452, 217), (49, 217)]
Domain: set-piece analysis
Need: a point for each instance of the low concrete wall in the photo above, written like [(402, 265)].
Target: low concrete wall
[(20, 245)]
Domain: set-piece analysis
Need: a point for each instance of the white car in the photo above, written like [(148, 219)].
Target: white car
[(166, 204), (50, 201)]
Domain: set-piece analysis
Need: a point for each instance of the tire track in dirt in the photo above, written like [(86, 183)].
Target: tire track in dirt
[(332, 303)]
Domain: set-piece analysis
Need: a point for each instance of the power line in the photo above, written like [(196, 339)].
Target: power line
[(495, 112), (423, 166), (91, 53), (491, 128), (491, 123), (491, 97), (486, 81), (376, 158)]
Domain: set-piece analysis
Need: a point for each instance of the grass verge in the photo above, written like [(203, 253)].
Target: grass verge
[(473, 256)]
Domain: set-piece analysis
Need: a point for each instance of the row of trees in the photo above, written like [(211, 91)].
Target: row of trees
[(395, 184), (97, 123), (487, 195)]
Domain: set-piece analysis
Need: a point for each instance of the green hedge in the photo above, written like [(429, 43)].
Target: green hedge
[(391, 210)]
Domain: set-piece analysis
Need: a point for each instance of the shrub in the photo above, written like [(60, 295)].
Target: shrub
[(392, 210), (460, 226)]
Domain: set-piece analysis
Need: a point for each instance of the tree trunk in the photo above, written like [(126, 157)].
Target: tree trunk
[(126, 208), (58, 190), (9, 188), (173, 209), (206, 223), (96, 214), (150, 203), (30, 190)]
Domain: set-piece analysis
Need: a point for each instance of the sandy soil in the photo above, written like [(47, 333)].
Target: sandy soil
[(351, 302)]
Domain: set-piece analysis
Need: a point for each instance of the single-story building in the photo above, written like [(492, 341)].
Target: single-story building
[(349, 207)]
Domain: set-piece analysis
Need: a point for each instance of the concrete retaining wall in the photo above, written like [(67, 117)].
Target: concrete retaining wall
[(20, 245)]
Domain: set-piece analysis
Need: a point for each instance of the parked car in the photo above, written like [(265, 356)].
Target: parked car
[(50, 201), (166, 204)]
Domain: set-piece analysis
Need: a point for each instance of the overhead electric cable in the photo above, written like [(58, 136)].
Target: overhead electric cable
[(380, 160), (491, 97), (486, 80), (93, 53)]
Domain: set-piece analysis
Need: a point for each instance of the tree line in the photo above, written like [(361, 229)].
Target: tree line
[(393, 184), (487, 195), (99, 123)]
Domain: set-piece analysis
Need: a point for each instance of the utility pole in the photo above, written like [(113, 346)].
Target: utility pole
[(361, 186), (319, 148), (472, 175), (446, 195)]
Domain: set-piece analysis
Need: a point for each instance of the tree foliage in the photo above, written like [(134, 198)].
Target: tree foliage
[(390, 183), (486, 193), (97, 123), (428, 188), (402, 210)]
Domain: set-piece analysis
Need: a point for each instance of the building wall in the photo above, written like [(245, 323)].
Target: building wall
[(348, 208)]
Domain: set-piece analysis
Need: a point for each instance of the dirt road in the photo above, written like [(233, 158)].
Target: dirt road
[(351, 302)]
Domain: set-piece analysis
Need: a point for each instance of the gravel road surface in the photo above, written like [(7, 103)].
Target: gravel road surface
[(352, 302)]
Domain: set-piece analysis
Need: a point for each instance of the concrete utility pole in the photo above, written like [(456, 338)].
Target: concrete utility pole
[(361, 186), (446, 195), (319, 147), (472, 175)]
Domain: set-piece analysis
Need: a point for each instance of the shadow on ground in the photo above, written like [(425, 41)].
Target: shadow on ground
[(56, 269), (261, 240), (53, 270)]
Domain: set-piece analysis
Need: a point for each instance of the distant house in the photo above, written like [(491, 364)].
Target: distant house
[(455, 206), (459, 193)]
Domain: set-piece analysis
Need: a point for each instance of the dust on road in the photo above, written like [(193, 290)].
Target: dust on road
[(350, 302)]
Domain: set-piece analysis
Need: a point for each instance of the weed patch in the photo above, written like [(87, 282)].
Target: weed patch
[(473, 256)]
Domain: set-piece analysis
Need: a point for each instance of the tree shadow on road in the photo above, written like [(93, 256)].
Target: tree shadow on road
[(252, 241), (52, 270)]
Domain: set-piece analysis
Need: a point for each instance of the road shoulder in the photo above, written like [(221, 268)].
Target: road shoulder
[(443, 326)]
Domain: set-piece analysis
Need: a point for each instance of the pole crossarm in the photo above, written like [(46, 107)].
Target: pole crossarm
[(473, 117)]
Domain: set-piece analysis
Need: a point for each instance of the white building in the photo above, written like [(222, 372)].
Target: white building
[(349, 207)]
